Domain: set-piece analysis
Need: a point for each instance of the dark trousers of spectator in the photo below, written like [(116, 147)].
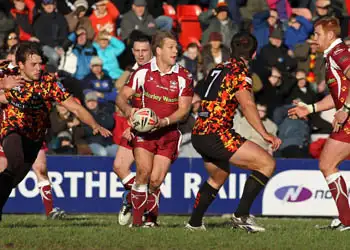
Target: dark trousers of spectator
[(21, 153)]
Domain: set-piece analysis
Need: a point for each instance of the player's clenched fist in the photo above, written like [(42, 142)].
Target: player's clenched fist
[(274, 140)]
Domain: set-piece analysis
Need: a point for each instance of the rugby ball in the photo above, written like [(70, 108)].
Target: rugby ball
[(144, 120)]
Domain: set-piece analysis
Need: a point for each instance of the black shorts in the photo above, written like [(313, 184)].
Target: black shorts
[(218, 148)]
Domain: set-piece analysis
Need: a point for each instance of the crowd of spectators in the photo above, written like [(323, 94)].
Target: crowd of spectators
[(87, 44)]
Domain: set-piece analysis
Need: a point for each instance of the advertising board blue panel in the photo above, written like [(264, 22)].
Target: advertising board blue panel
[(88, 185)]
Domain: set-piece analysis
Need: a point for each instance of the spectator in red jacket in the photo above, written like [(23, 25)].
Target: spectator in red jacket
[(22, 13), (104, 17)]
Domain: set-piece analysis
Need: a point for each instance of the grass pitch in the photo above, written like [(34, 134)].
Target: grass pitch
[(103, 232)]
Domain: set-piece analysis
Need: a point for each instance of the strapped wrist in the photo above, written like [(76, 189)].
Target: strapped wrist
[(167, 120), (312, 108), (346, 107)]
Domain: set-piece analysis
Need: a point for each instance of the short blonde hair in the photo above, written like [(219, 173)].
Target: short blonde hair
[(329, 24), (102, 35), (158, 39)]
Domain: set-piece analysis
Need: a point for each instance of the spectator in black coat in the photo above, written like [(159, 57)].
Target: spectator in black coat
[(51, 29)]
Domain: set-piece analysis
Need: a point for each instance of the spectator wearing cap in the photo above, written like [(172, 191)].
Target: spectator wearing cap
[(99, 145), (65, 144), (22, 13), (104, 17), (219, 21), (82, 49), (77, 19), (215, 52), (100, 82), (137, 18), (264, 24), (51, 28), (299, 29), (108, 49), (274, 54)]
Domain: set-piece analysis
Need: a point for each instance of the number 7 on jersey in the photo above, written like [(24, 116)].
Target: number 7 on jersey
[(213, 75)]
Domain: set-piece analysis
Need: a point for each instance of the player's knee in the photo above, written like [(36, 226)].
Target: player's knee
[(326, 167), (267, 165), (143, 174), (117, 167)]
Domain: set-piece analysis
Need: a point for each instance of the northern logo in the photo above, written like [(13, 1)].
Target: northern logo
[(293, 193)]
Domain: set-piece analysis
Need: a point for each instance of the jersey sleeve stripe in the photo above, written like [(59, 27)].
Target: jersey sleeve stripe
[(182, 84), (139, 79)]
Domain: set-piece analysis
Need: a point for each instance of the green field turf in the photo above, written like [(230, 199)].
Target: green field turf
[(103, 232)]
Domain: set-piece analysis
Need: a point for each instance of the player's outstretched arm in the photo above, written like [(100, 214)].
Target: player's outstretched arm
[(84, 116), (248, 107), (302, 110), (122, 100)]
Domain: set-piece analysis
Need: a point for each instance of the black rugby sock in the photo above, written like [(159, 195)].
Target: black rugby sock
[(254, 184), (205, 196), (6, 185)]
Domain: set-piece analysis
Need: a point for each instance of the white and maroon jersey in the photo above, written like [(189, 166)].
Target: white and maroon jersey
[(160, 91), (337, 63)]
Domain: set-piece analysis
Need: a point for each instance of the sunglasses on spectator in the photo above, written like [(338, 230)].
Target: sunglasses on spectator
[(323, 7), (278, 77), (12, 38), (299, 79), (274, 17)]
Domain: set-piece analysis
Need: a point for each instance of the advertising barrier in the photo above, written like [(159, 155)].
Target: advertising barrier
[(88, 185)]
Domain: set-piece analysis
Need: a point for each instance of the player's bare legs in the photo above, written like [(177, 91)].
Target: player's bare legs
[(139, 191), (252, 157), (217, 176), (122, 163), (161, 165), (40, 169), (333, 153), (248, 156)]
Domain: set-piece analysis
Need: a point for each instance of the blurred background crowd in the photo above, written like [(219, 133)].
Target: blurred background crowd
[(87, 44)]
